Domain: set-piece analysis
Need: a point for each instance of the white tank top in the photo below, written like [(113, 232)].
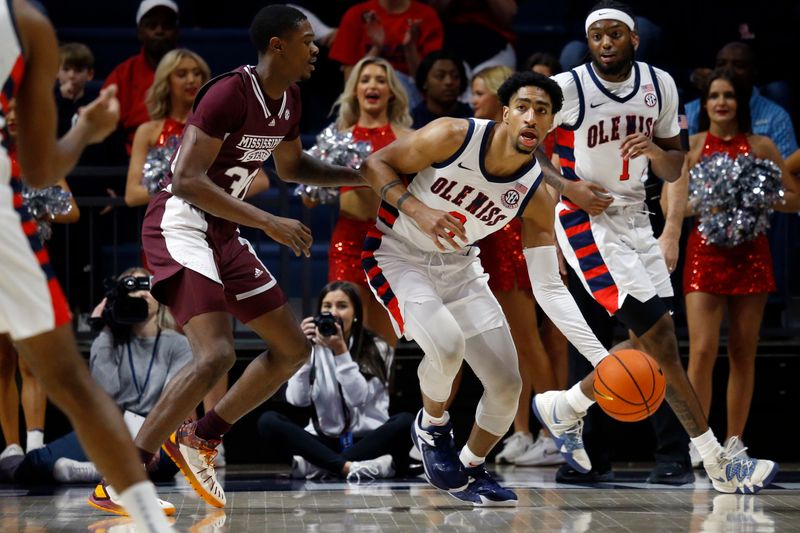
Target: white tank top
[(12, 66), (462, 186), (598, 115)]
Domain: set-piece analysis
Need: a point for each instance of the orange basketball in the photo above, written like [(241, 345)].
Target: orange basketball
[(629, 385)]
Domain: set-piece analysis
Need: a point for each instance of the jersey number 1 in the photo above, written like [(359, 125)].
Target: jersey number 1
[(624, 176)]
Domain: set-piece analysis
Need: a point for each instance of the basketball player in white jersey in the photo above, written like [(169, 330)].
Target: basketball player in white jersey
[(619, 116), (463, 180), (32, 306)]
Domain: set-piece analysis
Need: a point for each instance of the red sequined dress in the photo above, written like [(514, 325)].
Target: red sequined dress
[(171, 128), (501, 252), (742, 269), (347, 240)]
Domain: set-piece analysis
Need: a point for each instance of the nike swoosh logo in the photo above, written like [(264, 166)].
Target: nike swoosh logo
[(555, 418), (593, 105), (460, 165)]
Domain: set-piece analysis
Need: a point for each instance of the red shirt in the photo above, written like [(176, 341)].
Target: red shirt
[(133, 77), (352, 42)]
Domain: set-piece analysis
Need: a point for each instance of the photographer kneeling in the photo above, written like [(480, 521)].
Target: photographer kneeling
[(345, 383), (134, 356)]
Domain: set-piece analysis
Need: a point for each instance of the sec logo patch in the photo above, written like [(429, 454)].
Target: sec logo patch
[(510, 199), (650, 99)]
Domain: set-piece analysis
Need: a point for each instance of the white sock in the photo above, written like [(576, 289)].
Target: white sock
[(577, 400), (141, 502), (430, 420), (469, 459), (708, 446), (34, 440)]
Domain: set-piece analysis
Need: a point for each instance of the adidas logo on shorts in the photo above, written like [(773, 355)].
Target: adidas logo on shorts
[(259, 272)]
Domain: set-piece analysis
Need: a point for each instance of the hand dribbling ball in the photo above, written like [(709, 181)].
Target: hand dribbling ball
[(629, 385)]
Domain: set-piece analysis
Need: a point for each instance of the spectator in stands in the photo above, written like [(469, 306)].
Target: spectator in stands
[(543, 63), (75, 71), (346, 386), (482, 31), (374, 108), (132, 363), (441, 78), (734, 279), (157, 30), (768, 118), (178, 78), (401, 31)]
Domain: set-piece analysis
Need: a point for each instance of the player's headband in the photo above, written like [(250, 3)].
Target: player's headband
[(609, 14)]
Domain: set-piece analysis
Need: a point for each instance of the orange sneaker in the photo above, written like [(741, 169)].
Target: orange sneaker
[(105, 498), (195, 457)]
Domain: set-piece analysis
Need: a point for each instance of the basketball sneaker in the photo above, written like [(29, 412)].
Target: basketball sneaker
[(195, 458), (443, 468), (567, 433), (515, 445), (694, 456), (105, 498), (733, 472), (371, 469), (543, 452), (484, 491)]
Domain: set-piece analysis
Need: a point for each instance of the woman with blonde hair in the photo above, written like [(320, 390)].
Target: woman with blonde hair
[(374, 108), (178, 78), (501, 257)]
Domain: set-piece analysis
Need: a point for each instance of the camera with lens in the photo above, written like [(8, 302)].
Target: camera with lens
[(326, 324), (122, 308)]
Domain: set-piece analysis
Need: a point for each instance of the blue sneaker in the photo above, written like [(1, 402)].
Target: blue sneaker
[(567, 434), (443, 468), (484, 491), (734, 471)]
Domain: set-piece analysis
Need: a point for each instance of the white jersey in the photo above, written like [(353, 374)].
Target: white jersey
[(598, 115), (11, 69), (462, 186)]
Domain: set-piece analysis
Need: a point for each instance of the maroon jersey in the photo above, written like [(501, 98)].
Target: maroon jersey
[(175, 233)]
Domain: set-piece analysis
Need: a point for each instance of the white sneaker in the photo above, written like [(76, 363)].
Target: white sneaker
[(371, 469), (302, 469), (733, 473), (219, 460), (70, 471), (567, 433), (515, 445), (543, 452), (12, 450), (737, 447), (694, 455)]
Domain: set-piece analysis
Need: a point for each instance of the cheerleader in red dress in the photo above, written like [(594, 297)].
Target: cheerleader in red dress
[(374, 108), (735, 279), (501, 258)]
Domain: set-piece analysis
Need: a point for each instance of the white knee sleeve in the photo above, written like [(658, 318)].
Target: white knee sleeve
[(493, 358), (441, 338)]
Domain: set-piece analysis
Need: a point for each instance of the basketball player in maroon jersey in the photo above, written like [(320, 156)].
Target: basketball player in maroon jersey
[(204, 270)]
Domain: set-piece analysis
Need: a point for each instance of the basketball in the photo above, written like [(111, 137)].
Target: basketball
[(629, 385)]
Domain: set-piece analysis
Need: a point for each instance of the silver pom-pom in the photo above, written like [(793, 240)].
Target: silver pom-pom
[(44, 204), (156, 165), (733, 198), (336, 148)]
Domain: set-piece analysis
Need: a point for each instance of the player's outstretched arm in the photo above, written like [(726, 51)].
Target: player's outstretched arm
[(296, 166), (408, 155), (590, 197), (189, 181), (538, 241)]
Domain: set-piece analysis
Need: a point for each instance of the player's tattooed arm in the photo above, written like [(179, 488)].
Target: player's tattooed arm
[(590, 197)]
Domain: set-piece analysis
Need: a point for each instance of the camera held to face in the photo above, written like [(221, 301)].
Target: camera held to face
[(326, 324), (121, 308)]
